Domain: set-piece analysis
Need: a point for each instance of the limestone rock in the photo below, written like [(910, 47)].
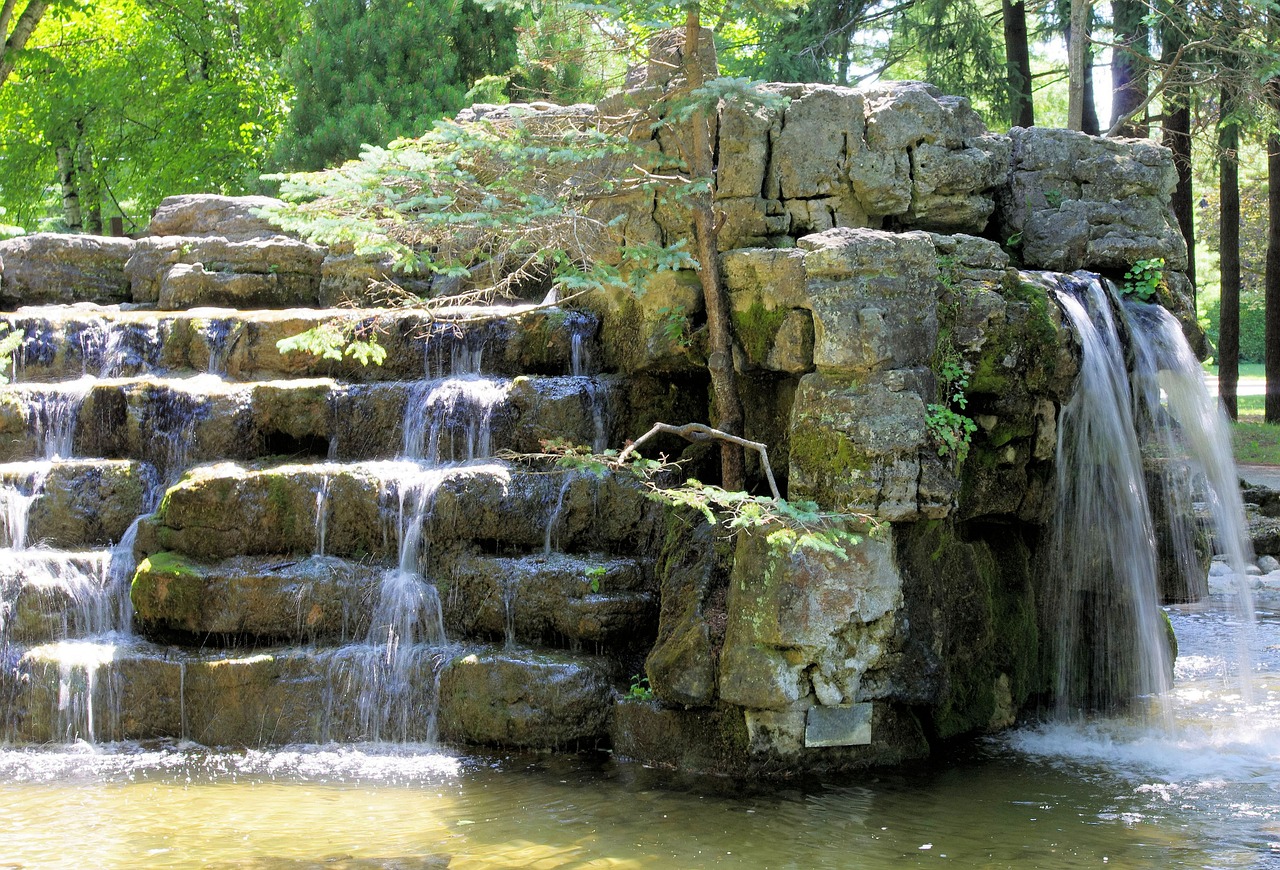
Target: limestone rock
[(311, 599), (525, 699), (80, 503), (542, 598), (805, 623), (206, 214), (1075, 201), (681, 666), (282, 266), (857, 448), (872, 295), (64, 268)]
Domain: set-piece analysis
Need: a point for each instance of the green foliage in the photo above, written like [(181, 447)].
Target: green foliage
[(1142, 281), (952, 430), (374, 70), (9, 344), (640, 689), (154, 98), (335, 340), (595, 575), (788, 525)]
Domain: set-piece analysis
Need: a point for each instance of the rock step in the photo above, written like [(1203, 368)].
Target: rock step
[(365, 509), (172, 422), (553, 600), (66, 342), (550, 598), (118, 688), (72, 503), (49, 595)]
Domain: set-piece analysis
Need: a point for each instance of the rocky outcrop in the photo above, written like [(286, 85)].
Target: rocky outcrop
[(63, 268), (205, 214)]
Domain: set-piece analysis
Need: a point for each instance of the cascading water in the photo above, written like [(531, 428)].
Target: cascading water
[(1111, 641)]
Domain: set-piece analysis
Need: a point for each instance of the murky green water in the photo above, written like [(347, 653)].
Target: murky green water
[(1201, 791)]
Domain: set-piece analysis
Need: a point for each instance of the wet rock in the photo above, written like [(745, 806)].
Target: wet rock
[(54, 595), (528, 699), (548, 599), (63, 268), (805, 624), (80, 503), (693, 575), (312, 599)]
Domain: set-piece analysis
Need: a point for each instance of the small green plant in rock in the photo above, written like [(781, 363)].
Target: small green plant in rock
[(674, 324), (9, 344), (594, 576), (1142, 281), (952, 430), (640, 689)]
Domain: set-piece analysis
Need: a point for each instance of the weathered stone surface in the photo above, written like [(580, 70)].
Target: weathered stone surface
[(965, 651), (529, 699), (63, 268), (809, 150), (311, 599), (203, 214), (727, 741), (223, 510), (550, 599), (48, 595), (1084, 202), (804, 625), (190, 286), (292, 266), (693, 575), (872, 295), (858, 448)]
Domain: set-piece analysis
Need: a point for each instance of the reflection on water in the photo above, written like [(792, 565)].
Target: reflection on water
[(1205, 794)]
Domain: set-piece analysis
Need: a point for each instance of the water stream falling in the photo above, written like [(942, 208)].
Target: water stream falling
[(1111, 639)]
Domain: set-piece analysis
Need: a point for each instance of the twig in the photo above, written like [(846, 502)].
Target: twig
[(696, 433)]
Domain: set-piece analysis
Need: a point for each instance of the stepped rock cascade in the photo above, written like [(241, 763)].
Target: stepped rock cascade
[(345, 552)]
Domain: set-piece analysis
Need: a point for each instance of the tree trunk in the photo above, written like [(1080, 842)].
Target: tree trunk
[(87, 182), (1089, 123), (1229, 313), (70, 193), (724, 382), (1130, 65), (1076, 61), (1272, 322), (1018, 63), (1177, 134), (13, 41)]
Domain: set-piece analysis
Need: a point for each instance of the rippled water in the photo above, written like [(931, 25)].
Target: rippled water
[(1204, 794)]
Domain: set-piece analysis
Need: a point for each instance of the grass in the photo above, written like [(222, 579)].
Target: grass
[(1253, 442)]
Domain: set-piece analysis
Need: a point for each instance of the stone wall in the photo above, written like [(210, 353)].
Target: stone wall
[(869, 239)]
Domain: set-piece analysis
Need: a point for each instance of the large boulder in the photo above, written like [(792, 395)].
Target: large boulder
[(1076, 201), (207, 214)]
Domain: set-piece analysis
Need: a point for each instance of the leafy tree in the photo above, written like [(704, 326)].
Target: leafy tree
[(16, 28), (369, 71), (132, 100)]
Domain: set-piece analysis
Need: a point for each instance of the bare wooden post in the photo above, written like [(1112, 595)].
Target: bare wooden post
[(117, 226)]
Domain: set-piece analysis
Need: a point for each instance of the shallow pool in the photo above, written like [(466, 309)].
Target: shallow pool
[(1194, 784)]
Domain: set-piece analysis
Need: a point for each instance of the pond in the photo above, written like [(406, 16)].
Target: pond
[(1195, 785)]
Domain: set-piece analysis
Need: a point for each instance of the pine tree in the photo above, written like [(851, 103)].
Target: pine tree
[(369, 71)]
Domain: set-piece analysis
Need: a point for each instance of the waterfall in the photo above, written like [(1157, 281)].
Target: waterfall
[(1110, 638)]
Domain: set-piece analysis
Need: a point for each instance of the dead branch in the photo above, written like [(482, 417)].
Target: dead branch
[(698, 433)]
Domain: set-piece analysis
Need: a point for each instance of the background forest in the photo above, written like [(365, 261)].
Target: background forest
[(107, 106)]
